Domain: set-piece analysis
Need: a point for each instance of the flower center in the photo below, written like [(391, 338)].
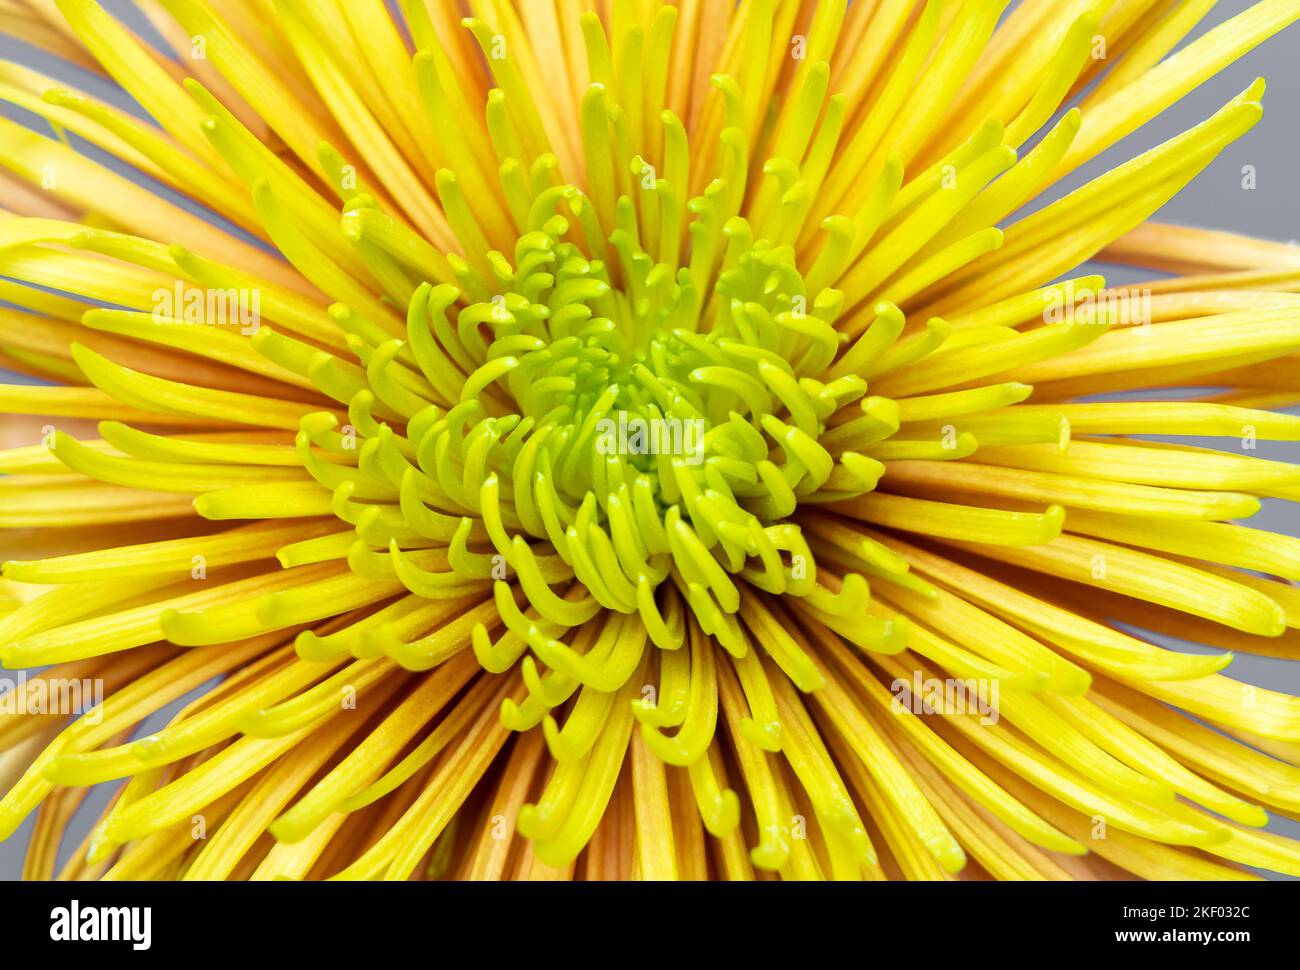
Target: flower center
[(608, 426)]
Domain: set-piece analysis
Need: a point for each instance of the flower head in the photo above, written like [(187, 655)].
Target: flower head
[(639, 439)]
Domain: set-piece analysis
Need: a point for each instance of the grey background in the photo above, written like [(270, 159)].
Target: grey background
[(1214, 200)]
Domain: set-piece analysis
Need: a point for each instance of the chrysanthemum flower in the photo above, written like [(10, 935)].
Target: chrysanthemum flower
[(607, 439)]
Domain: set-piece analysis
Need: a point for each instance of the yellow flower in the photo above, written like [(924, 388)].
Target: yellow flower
[(617, 439)]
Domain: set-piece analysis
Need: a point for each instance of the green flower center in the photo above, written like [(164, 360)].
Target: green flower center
[(592, 441)]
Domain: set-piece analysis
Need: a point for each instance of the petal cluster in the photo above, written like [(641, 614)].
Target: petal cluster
[(620, 439)]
